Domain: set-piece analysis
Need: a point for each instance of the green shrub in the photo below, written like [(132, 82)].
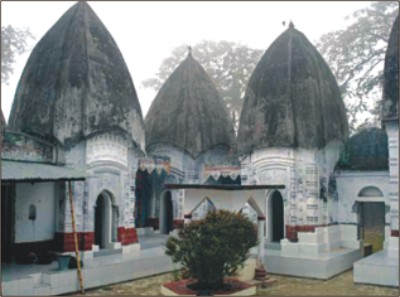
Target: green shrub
[(214, 247)]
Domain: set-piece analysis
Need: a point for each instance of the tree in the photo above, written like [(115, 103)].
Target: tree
[(228, 64), (208, 251), (14, 42), (356, 56)]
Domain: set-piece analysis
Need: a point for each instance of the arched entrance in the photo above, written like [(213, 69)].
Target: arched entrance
[(143, 196), (371, 216), (105, 226), (7, 223), (276, 214), (167, 213)]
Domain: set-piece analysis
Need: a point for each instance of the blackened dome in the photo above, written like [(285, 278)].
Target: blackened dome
[(76, 84), (188, 112), (292, 99), (391, 76), (366, 150)]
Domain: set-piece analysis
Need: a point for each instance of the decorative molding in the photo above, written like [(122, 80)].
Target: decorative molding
[(107, 147)]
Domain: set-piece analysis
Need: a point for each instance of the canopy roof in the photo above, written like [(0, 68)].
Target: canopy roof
[(25, 171)]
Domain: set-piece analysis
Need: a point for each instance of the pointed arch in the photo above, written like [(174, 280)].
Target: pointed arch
[(166, 212), (252, 202), (208, 206), (106, 219), (276, 216), (370, 191)]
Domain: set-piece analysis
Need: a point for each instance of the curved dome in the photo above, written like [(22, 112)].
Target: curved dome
[(391, 76), (188, 112), (366, 150), (292, 99), (76, 83)]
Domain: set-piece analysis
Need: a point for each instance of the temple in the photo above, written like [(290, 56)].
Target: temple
[(323, 202)]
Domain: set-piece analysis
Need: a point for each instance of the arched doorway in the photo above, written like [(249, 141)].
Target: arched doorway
[(276, 217), (105, 226), (371, 217), (7, 223), (168, 213), (143, 196)]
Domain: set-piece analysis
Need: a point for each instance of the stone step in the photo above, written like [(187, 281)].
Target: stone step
[(272, 245), (36, 278), (145, 231), (42, 290), (107, 252)]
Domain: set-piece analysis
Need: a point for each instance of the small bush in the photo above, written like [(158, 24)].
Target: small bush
[(214, 247)]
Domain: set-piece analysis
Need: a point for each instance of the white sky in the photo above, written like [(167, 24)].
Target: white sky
[(146, 32)]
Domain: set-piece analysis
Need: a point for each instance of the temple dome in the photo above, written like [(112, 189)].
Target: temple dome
[(391, 76), (76, 84), (292, 99), (188, 112), (366, 150)]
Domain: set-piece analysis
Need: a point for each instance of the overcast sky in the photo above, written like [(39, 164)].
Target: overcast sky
[(146, 32)]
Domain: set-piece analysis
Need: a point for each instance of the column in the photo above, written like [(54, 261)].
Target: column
[(187, 218), (261, 238)]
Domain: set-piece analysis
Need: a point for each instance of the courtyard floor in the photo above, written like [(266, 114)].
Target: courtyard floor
[(340, 285)]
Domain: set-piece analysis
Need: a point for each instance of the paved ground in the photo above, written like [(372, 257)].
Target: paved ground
[(340, 285)]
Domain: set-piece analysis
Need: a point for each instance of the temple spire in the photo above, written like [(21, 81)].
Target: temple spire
[(188, 113)]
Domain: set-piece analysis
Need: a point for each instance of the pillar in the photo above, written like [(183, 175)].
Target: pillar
[(261, 238), (187, 218)]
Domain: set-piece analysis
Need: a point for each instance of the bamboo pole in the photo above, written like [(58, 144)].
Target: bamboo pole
[(78, 258)]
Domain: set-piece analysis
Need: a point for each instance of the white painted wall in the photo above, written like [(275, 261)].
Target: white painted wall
[(186, 170), (42, 195), (107, 147), (324, 239), (349, 185), (105, 158), (191, 170), (326, 160), (76, 156), (301, 171), (392, 130), (181, 163)]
